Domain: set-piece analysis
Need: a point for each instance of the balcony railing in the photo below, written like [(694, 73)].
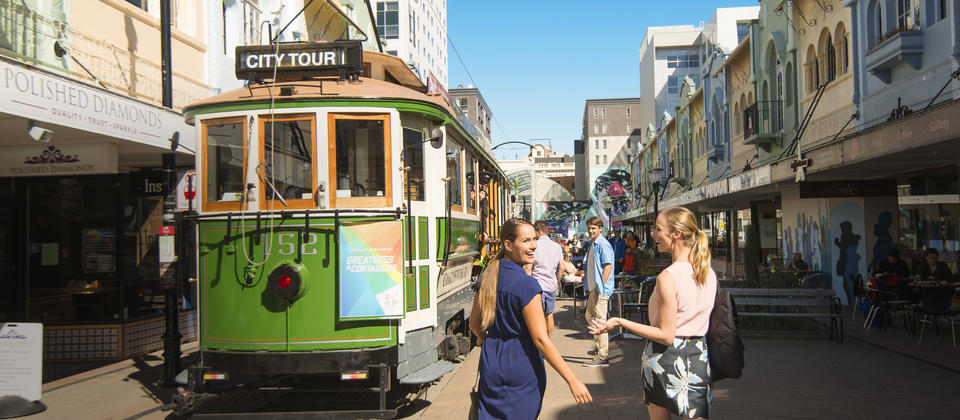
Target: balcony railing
[(29, 36), (900, 45), (762, 122)]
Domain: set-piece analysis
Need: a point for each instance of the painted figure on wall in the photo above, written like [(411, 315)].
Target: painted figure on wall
[(848, 261), (815, 238), (884, 244)]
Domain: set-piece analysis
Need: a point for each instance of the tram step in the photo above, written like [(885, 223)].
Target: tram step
[(428, 374)]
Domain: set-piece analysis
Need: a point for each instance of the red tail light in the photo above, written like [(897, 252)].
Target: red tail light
[(287, 281)]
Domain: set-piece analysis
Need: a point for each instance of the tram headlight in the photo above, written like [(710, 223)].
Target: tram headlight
[(288, 280)]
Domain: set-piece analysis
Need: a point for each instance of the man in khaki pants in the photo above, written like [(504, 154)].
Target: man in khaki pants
[(598, 271)]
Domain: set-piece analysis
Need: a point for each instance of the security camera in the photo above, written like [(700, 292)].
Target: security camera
[(40, 134)]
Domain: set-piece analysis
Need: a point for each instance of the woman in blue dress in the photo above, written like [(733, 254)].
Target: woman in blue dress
[(508, 320)]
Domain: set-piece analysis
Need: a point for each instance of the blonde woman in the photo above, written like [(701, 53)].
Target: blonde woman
[(508, 320), (676, 373)]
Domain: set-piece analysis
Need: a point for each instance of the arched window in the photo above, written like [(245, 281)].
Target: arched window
[(737, 122), (831, 59), (811, 74), (843, 51), (875, 25)]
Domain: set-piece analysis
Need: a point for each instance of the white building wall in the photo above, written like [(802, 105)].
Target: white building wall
[(653, 67), (422, 42)]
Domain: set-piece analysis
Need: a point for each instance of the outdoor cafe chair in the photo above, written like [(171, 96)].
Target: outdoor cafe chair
[(934, 305), (859, 294)]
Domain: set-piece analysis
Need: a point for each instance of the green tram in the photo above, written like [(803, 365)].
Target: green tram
[(342, 214)]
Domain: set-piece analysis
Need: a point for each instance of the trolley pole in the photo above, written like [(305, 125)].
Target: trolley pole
[(169, 279)]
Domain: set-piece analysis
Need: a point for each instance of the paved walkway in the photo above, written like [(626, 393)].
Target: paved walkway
[(864, 378), (873, 375)]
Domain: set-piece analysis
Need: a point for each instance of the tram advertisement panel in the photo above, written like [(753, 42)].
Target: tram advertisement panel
[(371, 270)]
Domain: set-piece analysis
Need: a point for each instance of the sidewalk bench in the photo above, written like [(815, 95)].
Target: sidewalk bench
[(812, 303)]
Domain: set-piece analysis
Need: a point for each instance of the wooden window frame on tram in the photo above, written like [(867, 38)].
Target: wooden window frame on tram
[(458, 207), (476, 182), (298, 203), (204, 191), (358, 202)]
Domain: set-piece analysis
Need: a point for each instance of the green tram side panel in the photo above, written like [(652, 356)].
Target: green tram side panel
[(240, 316), (464, 233)]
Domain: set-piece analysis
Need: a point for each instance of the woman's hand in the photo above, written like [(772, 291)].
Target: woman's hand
[(580, 392), (597, 326)]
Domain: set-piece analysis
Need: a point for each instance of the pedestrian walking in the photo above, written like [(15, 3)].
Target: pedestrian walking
[(599, 284), (619, 251), (547, 269), (676, 377), (507, 318)]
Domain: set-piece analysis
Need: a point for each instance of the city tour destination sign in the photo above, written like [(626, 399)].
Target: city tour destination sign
[(49, 98), (259, 61)]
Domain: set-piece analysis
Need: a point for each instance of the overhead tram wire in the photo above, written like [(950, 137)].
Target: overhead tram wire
[(273, 145), (465, 69)]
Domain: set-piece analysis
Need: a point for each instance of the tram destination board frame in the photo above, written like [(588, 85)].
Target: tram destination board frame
[(257, 62)]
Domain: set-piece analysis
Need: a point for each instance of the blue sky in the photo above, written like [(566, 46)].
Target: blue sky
[(536, 62)]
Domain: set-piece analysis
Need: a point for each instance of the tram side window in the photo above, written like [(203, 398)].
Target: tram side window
[(362, 159), (413, 157), (224, 163), (453, 171), (471, 182)]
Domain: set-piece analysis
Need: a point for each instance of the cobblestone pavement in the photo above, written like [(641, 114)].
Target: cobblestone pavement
[(800, 374), (795, 377)]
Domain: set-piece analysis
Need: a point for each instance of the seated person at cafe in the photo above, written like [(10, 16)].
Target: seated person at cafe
[(894, 265), (797, 263), (933, 268)]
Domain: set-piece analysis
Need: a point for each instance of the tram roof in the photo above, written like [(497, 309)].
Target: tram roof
[(305, 92)]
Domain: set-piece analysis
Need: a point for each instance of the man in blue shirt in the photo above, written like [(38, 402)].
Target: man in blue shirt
[(619, 251), (598, 271)]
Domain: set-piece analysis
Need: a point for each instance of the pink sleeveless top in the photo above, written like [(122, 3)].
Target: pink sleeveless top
[(694, 302)]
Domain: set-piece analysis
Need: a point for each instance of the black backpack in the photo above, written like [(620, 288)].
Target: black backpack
[(723, 342)]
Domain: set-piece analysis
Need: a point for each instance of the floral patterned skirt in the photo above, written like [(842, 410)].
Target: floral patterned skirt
[(678, 377)]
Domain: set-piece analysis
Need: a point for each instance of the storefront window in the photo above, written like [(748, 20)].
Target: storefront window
[(288, 165), (413, 158), (361, 158), (453, 171), (73, 250), (223, 166)]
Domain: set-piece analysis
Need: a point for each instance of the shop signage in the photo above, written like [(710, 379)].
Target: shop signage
[(99, 248), (263, 60), (53, 99), (750, 179), (814, 189), (147, 183), (187, 191), (21, 359), (46, 159), (370, 273)]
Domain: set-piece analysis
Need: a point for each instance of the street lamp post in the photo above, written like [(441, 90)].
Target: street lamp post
[(655, 175)]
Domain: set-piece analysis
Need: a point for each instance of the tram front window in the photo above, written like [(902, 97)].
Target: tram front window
[(224, 161), (360, 169), (288, 160)]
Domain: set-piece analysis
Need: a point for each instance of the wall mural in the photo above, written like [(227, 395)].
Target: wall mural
[(807, 238), (846, 224), (884, 243), (561, 215), (611, 196)]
